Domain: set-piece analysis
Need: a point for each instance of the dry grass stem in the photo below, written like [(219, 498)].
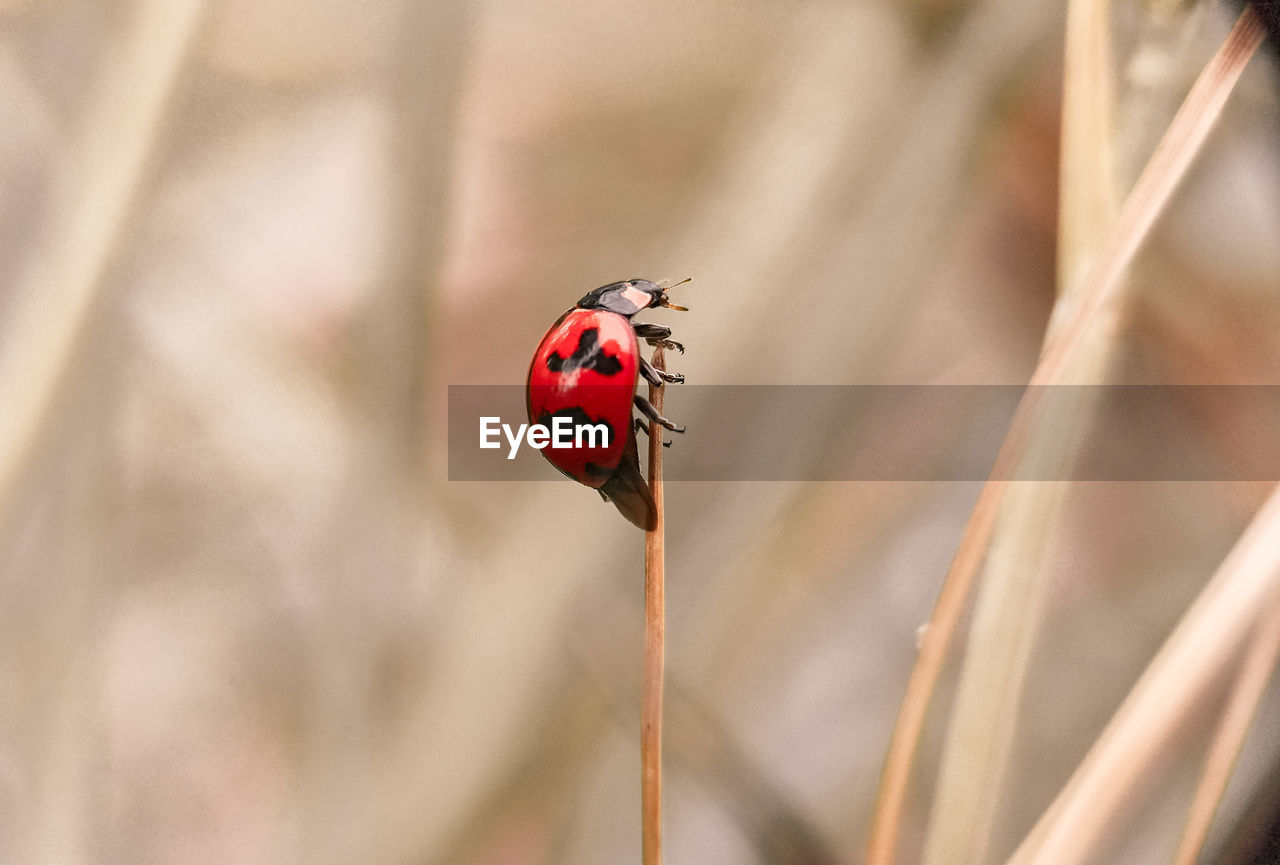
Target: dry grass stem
[(924, 676), (1260, 660), (1005, 624), (1167, 166), (53, 307), (1008, 609), (654, 648), (1086, 174), (1204, 642)]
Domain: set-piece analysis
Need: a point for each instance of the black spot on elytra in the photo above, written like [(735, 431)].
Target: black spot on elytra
[(588, 355)]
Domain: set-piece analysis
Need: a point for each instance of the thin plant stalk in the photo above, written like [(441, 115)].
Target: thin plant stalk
[(50, 312), (1166, 168), (1086, 174), (1009, 604), (1228, 740), (1210, 634), (654, 647), (53, 309)]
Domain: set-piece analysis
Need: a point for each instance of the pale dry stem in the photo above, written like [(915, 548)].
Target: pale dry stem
[(1172, 157), (1086, 176), (1188, 664), (52, 310), (1009, 606), (1228, 740)]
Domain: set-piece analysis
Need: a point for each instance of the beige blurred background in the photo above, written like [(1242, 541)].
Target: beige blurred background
[(245, 618)]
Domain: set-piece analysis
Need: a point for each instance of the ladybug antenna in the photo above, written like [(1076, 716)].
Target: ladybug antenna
[(665, 288)]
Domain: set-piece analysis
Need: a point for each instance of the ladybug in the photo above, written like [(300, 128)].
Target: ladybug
[(585, 370)]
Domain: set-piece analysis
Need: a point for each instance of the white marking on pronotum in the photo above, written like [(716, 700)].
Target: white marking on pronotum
[(637, 296)]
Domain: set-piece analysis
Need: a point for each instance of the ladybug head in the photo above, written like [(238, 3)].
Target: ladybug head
[(628, 298)]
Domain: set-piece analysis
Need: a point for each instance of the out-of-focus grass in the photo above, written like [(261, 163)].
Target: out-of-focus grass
[(245, 617)]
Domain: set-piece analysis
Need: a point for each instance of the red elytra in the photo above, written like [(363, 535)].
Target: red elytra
[(585, 371)]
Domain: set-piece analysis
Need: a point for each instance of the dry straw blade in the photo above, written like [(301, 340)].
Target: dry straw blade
[(1250, 687), (1098, 292), (1009, 607), (1086, 175), (1245, 587), (52, 313)]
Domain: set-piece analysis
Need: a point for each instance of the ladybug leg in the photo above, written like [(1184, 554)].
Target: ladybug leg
[(651, 331), (647, 409), (643, 427), (657, 335), (656, 376)]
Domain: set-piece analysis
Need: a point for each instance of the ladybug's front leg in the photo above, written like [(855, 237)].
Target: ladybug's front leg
[(647, 409), (656, 376), (656, 335)]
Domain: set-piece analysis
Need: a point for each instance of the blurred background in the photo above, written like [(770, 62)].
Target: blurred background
[(246, 618)]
